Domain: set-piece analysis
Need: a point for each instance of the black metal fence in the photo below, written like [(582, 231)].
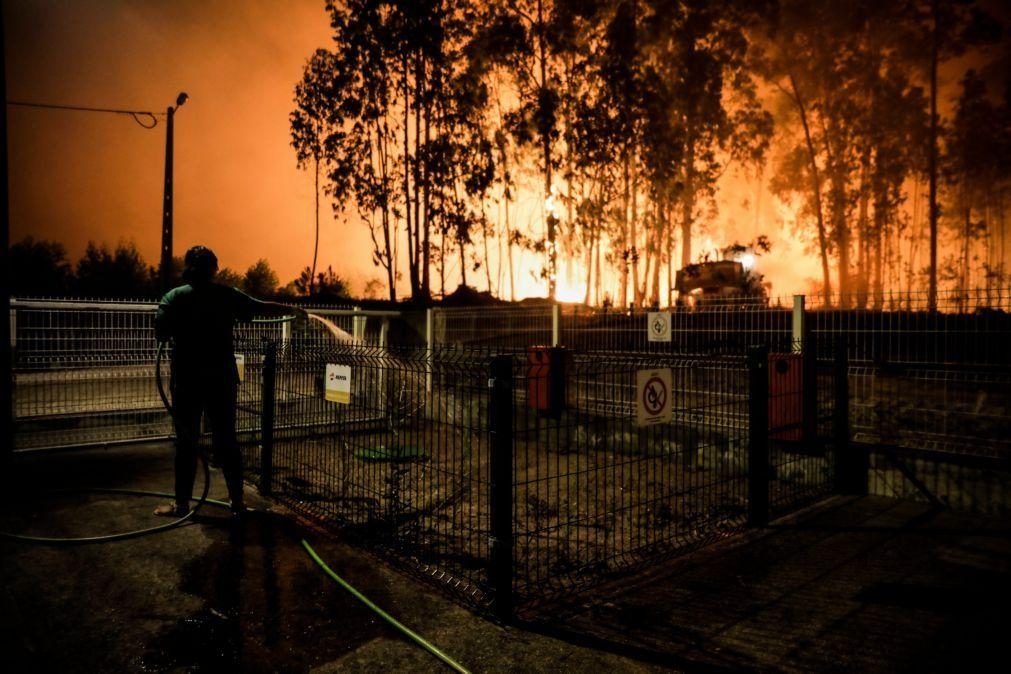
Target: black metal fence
[(511, 478), (930, 381)]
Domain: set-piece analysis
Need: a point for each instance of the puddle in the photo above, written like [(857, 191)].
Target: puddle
[(267, 607)]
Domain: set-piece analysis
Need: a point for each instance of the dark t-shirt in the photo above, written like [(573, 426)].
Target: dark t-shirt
[(200, 319)]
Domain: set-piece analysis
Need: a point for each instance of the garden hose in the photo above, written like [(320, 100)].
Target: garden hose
[(403, 629), (108, 538), (125, 535)]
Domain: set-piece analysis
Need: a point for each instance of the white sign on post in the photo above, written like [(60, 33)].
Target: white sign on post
[(658, 326), (653, 404), (338, 383), (240, 366)]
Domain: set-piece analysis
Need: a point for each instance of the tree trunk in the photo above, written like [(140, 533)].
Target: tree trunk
[(546, 143), (487, 258), (688, 203), (966, 237), (932, 162), (816, 185), (412, 257), (622, 297), (863, 236), (315, 245), (419, 101), (657, 256), (634, 234), (670, 255), (879, 242)]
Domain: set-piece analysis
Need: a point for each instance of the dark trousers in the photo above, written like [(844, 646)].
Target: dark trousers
[(214, 397)]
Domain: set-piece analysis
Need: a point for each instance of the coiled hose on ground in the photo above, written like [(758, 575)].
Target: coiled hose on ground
[(204, 500)]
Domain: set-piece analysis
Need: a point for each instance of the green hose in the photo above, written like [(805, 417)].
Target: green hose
[(414, 636), (47, 540), (108, 538)]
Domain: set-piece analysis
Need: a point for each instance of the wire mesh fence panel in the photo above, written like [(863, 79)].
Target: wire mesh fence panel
[(934, 381), (392, 446), (84, 371), (716, 327), (967, 328), (596, 492), (612, 461), (515, 327)]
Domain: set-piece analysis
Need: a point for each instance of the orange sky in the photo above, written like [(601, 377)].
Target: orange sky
[(76, 176)]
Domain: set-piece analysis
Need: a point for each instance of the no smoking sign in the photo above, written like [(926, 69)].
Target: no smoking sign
[(653, 394)]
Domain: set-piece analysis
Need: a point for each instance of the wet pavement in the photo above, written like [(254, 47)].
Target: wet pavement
[(869, 584), (208, 597)]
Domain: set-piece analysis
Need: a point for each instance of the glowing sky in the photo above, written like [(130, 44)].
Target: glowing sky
[(77, 177)]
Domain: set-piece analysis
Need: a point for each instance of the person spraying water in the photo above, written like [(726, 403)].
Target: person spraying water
[(199, 318)]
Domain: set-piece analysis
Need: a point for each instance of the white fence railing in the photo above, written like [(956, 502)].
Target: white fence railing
[(84, 371)]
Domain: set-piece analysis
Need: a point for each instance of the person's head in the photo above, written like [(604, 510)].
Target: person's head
[(201, 264)]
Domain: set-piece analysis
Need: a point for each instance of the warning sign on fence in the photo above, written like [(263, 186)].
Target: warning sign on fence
[(658, 326), (240, 366), (653, 397), (338, 383)]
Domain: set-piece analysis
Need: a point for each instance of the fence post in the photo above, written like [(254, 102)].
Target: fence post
[(850, 464), (799, 327), (758, 445), (556, 324), (500, 422), (267, 418), (429, 345), (358, 326)]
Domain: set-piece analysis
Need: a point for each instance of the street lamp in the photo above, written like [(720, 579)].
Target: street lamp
[(166, 220)]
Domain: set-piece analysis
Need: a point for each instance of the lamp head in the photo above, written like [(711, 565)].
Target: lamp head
[(182, 98)]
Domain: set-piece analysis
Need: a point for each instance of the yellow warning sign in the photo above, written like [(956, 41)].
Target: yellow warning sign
[(240, 366), (338, 383), (653, 394)]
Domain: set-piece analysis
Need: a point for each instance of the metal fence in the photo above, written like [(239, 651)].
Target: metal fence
[(84, 371), (929, 381), (509, 479)]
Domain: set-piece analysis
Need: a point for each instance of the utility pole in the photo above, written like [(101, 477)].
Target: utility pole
[(166, 214), (6, 355)]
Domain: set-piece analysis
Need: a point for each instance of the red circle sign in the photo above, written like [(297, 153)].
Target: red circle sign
[(654, 395)]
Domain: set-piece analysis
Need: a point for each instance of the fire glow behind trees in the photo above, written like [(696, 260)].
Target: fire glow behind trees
[(629, 113), (590, 146)]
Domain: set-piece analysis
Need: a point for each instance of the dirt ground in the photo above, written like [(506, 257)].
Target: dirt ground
[(868, 584)]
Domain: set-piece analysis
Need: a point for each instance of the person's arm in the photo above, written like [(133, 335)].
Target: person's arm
[(164, 327), (274, 309), (250, 307)]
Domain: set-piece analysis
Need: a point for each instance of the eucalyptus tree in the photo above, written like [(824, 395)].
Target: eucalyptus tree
[(973, 164), (713, 94), (309, 130), (398, 102), (531, 54)]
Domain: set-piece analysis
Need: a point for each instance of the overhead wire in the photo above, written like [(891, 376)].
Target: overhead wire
[(137, 115)]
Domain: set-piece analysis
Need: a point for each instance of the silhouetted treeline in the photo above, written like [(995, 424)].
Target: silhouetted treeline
[(434, 121), (41, 268)]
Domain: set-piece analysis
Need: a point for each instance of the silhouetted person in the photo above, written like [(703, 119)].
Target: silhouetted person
[(199, 317)]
